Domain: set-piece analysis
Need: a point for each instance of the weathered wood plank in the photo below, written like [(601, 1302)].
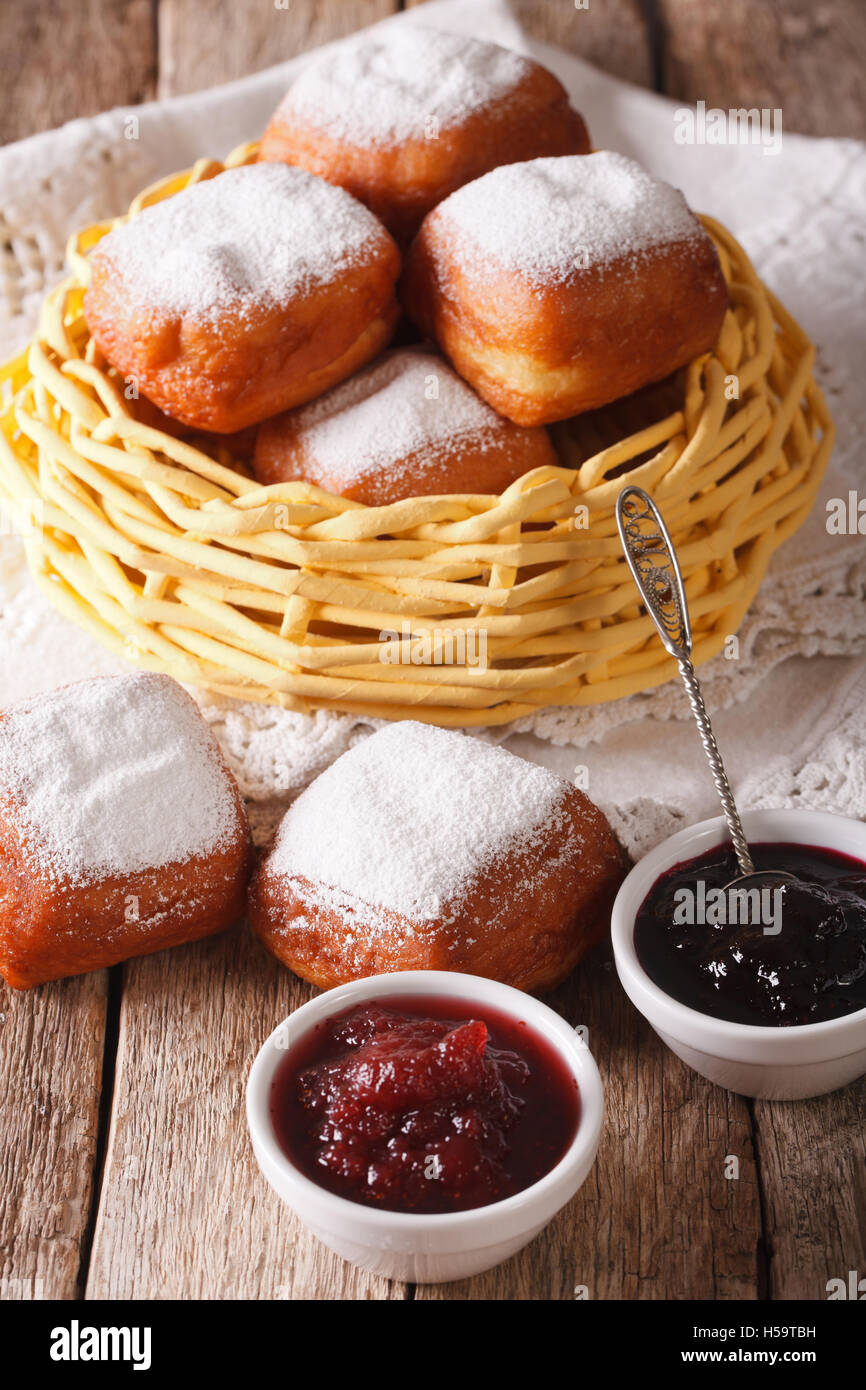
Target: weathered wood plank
[(612, 34), (657, 1217), (184, 1211), (203, 42), (812, 1160), (51, 1053), (65, 58), (805, 58)]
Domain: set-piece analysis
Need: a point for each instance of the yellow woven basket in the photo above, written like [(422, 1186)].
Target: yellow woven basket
[(463, 610)]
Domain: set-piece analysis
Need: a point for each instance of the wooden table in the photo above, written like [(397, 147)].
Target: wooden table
[(125, 1168)]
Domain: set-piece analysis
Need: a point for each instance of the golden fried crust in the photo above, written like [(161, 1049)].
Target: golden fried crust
[(283, 455), (50, 929), (540, 353), (227, 375), (516, 924), (402, 182)]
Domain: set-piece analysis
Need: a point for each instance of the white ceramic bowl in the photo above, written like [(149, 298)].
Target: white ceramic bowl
[(767, 1062), (427, 1249)]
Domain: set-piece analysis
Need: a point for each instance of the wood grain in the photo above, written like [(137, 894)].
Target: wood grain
[(202, 42), (51, 1053), (806, 57), (812, 1157), (656, 1218), (184, 1211), (612, 34), (65, 58)]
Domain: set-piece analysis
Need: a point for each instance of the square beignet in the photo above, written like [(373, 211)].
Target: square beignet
[(243, 295), (559, 285), (122, 830), (404, 115), (405, 426), (426, 849)]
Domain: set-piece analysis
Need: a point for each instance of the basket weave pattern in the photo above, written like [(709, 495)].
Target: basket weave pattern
[(184, 563)]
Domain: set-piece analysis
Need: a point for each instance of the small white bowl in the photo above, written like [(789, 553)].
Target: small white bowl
[(419, 1248), (751, 1059)]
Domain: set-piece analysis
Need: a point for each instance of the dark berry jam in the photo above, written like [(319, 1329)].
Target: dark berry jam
[(424, 1105), (795, 955)]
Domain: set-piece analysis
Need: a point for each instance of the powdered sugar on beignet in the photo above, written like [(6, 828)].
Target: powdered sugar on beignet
[(113, 776), (404, 114), (243, 295), (252, 238), (403, 83), (559, 285), (550, 219), (423, 848), (405, 426), (122, 831), (407, 819)]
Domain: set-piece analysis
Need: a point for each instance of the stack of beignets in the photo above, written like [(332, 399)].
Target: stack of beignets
[(256, 305), (551, 279)]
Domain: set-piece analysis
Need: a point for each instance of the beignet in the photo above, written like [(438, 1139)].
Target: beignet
[(121, 828), (403, 116), (423, 848), (243, 295), (559, 285), (405, 426)]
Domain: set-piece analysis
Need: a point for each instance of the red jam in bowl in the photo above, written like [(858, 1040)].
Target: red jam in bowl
[(424, 1105), (796, 958)]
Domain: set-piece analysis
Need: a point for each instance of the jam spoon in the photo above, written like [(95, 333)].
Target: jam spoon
[(653, 563)]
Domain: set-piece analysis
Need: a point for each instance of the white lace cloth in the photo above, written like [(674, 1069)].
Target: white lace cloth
[(789, 709)]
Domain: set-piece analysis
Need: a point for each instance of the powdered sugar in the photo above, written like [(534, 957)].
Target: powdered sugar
[(408, 407), (405, 83), (406, 820), (549, 219), (249, 238), (364, 924), (115, 775)]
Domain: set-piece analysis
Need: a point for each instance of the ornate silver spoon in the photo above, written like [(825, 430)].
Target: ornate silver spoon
[(652, 560)]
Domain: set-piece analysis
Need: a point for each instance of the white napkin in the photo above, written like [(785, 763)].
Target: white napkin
[(790, 707)]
